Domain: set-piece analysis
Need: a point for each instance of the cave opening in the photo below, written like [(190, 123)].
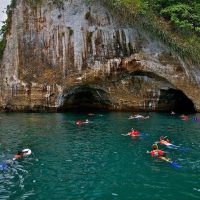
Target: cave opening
[(176, 101), (85, 99)]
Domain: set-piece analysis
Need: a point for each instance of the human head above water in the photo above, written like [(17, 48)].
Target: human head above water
[(154, 146), (161, 138), (19, 153)]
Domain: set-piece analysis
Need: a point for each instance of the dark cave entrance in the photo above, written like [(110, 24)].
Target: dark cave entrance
[(85, 99), (170, 99), (176, 100)]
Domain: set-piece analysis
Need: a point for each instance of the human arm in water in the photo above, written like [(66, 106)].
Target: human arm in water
[(129, 133)]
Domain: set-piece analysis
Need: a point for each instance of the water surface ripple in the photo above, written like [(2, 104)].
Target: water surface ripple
[(94, 161)]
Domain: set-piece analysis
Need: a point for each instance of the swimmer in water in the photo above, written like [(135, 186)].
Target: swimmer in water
[(157, 153), (79, 122), (166, 142), (138, 117), (184, 117), (133, 133), (21, 154)]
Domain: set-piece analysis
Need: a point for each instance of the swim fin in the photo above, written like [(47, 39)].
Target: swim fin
[(175, 165)]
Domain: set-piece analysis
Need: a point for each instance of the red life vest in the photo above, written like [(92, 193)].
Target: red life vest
[(18, 156), (135, 133), (79, 122), (157, 153)]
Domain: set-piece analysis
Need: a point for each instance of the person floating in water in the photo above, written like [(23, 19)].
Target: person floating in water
[(18, 155), (133, 133), (79, 122), (173, 113), (157, 153), (184, 117), (165, 141), (138, 117), (21, 154)]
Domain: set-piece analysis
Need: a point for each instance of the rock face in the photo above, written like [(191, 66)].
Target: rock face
[(78, 56)]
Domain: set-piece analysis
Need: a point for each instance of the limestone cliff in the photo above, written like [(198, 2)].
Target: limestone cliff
[(77, 55)]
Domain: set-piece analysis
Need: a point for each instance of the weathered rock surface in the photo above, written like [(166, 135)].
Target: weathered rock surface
[(78, 55)]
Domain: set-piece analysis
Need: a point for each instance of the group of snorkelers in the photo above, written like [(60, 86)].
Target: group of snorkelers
[(156, 152), (160, 154), (186, 118)]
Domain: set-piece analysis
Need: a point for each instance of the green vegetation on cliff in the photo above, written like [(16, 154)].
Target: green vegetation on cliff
[(6, 27), (175, 22)]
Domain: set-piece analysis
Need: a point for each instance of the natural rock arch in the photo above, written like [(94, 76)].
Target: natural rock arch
[(137, 91)]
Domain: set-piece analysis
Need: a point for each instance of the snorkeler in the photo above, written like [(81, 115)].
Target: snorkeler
[(133, 133), (21, 154), (138, 116), (184, 117), (157, 153), (79, 122), (18, 155), (167, 143)]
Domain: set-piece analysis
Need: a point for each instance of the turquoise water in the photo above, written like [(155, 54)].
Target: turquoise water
[(94, 161)]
